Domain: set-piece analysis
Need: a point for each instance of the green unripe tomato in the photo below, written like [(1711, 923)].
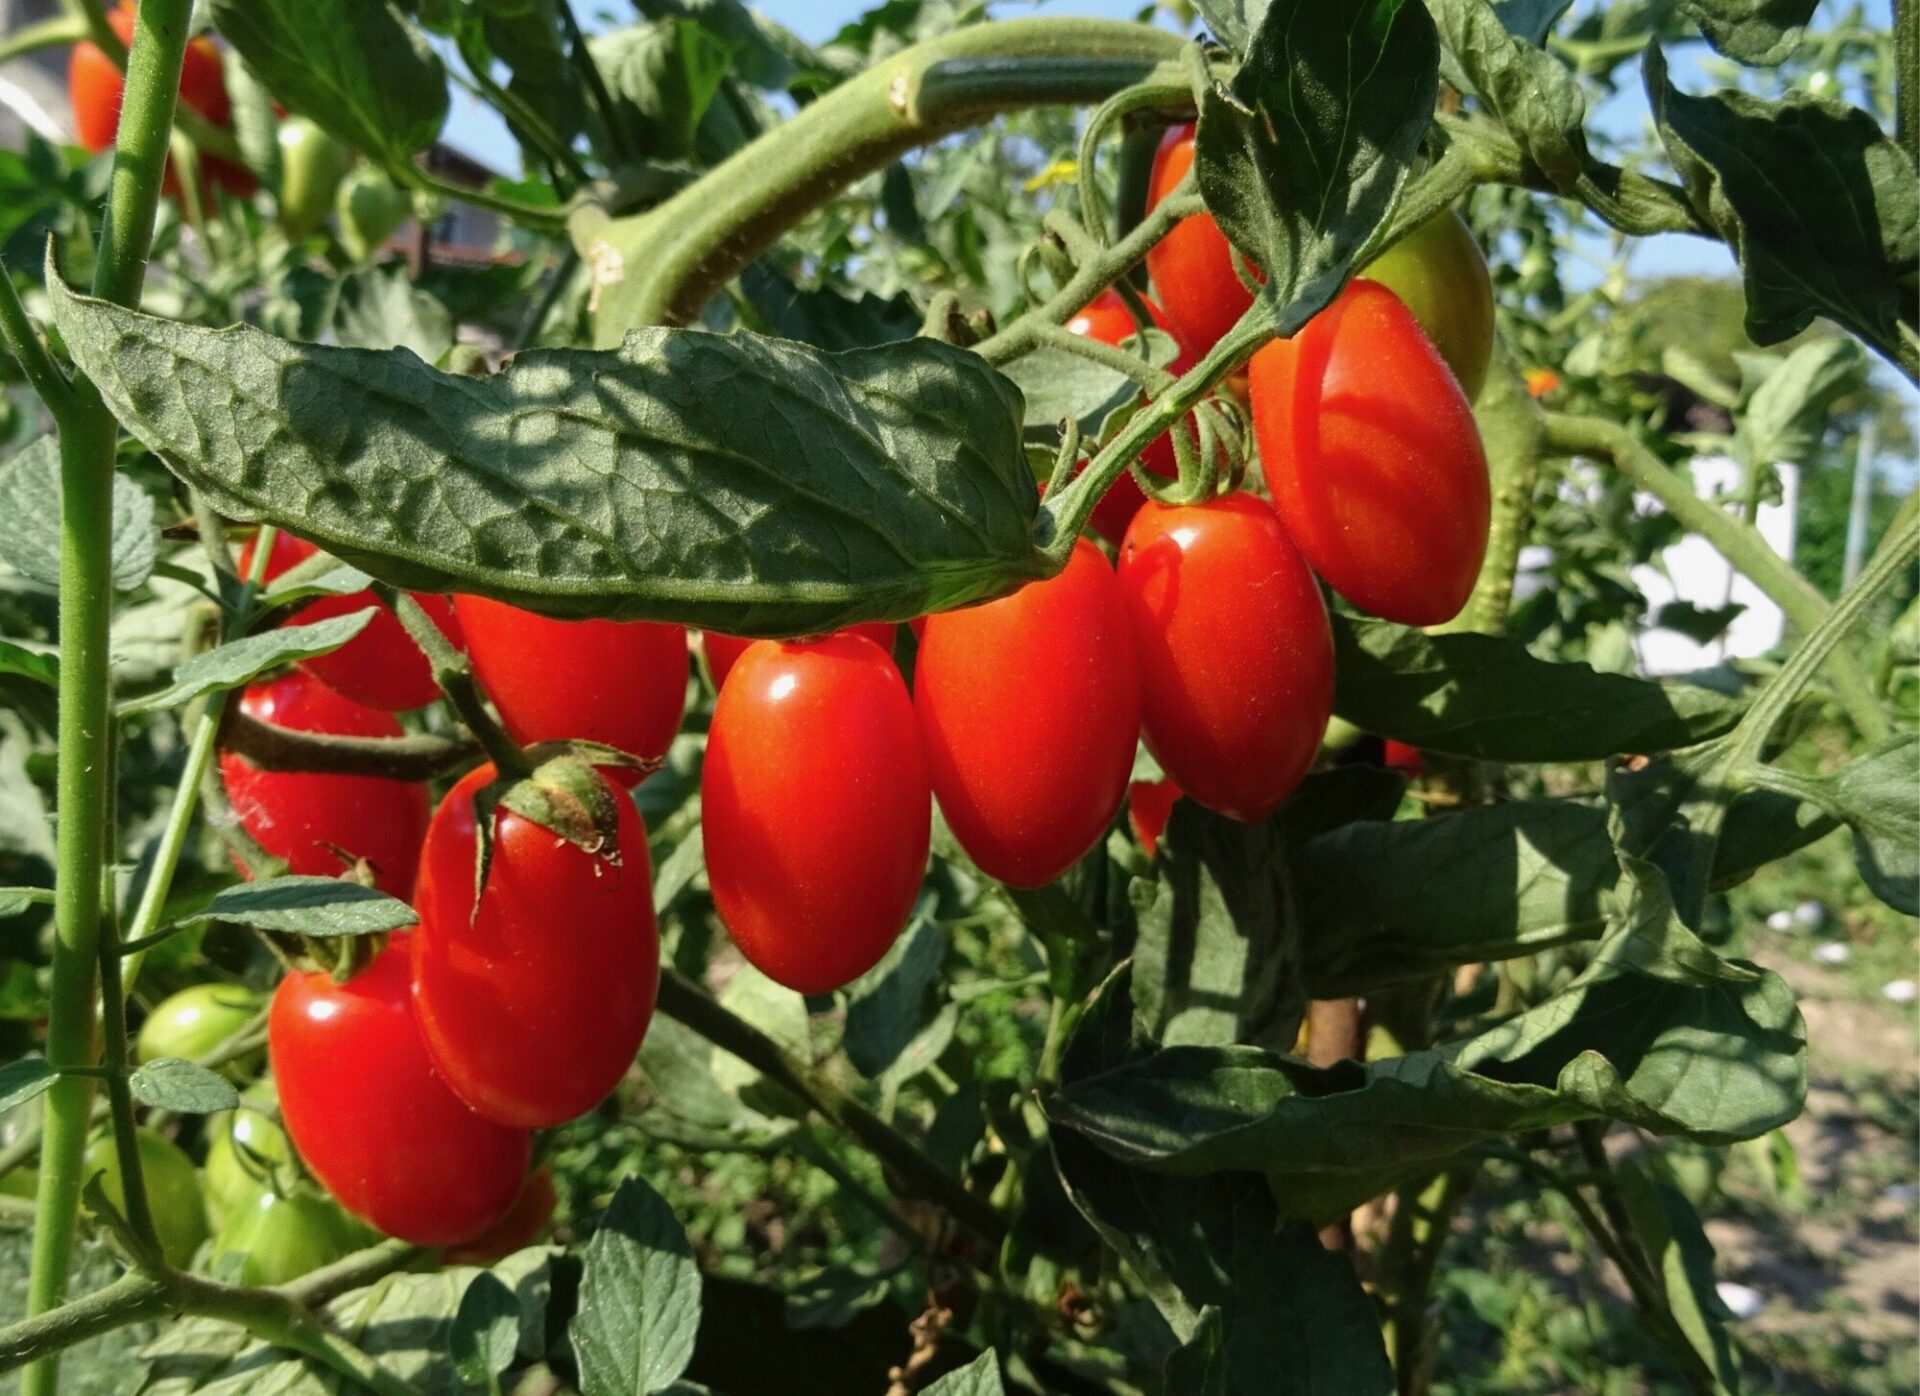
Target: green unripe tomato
[(247, 1152), (282, 1238), (312, 164), (1439, 272), (196, 1021), (173, 1190), (371, 209)]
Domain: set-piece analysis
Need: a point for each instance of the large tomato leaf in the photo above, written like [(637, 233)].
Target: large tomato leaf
[(1306, 155), (1752, 31), (639, 1298), (1535, 95), (732, 482)]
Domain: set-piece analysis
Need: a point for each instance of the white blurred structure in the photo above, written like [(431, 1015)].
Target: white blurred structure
[(1694, 571)]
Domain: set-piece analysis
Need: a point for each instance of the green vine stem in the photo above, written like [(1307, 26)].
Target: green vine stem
[(419, 756), (1738, 543), (455, 677), (48, 33), (689, 1005), (702, 237), (87, 439)]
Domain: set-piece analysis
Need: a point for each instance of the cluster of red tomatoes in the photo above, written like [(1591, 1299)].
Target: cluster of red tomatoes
[(413, 1090)]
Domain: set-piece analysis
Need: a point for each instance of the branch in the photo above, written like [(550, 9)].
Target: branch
[(690, 1005), (1737, 542), (419, 757)]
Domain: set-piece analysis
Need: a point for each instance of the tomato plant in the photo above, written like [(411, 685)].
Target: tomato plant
[(815, 808), (1361, 832), (1373, 459), (371, 1117), (533, 997), (318, 821)]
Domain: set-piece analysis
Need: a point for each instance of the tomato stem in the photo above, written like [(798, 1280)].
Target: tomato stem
[(455, 677)]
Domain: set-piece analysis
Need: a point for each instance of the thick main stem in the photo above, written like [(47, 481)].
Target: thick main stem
[(87, 437)]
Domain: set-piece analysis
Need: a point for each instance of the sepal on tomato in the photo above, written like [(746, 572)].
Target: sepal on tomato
[(563, 794)]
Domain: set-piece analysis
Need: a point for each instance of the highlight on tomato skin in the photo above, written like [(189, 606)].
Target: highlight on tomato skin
[(372, 1119), (533, 1002), (315, 820), (1373, 459), (816, 810), (1236, 653), (1029, 709)]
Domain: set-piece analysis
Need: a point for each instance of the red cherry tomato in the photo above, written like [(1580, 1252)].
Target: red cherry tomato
[(532, 1007), (372, 1119), (1109, 321), (95, 88), (1149, 806), (381, 666), (1373, 459), (525, 1220), (1029, 709), (815, 808), (623, 683), (1236, 657), (1193, 266), (723, 651), (1399, 756), (316, 820)]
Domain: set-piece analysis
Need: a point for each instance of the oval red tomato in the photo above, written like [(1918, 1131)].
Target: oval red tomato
[(1401, 757), (1193, 265), (621, 683), (311, 818), (95, 88), (381, 666), (1236, 656), (723, 651), (1440, 275), (815, 808), (1373, 459), (1029, 710), (525, 1220), (1108, 320), (532, 1007), (371, 1117)]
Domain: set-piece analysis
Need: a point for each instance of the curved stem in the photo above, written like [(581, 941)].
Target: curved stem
[(535, 217), (22, 339), (1738, 543), (48, 33), (662, 266), (686, 1003), (455, 677), (417, 757)]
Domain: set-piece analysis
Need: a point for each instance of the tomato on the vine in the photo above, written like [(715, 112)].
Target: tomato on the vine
[(96, 87), (1440, 275), (1108, 320), (723, 651), (1149, 806), (317, 820), (620, 683), (533, 1005), (815, 808), (1029, 710), (247, 1152), (1400, 757), (370, 208), (525, 1220), (1373, 459), (1193, 267), (381, 666), (312, 164), (172, 1188), (196, 1021), (373, 1120), (1236, 656), (282, 1237)]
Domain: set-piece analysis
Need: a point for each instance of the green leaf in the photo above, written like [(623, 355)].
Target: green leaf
[(14, 900), (980, 1377), (834, 1297), (309, 906), (380, 308), (889, 1005), (24, 663), (486, 1330), (1060, 385), (1305, 157), (1789, 413), (1874, 796), (731, 482), (170, 1083), (22, 1080), (1535, 95), (1486, 696), (662, 77), (1754, 32), (1217, 957), (1489, 884), (639, 1298), (1822, 210), (356, 67), (240, 662), (1199, 1365), (1669, 1231), (526, 38), (1714, 1062), (30, 503), (827, 318), (29, 681)]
